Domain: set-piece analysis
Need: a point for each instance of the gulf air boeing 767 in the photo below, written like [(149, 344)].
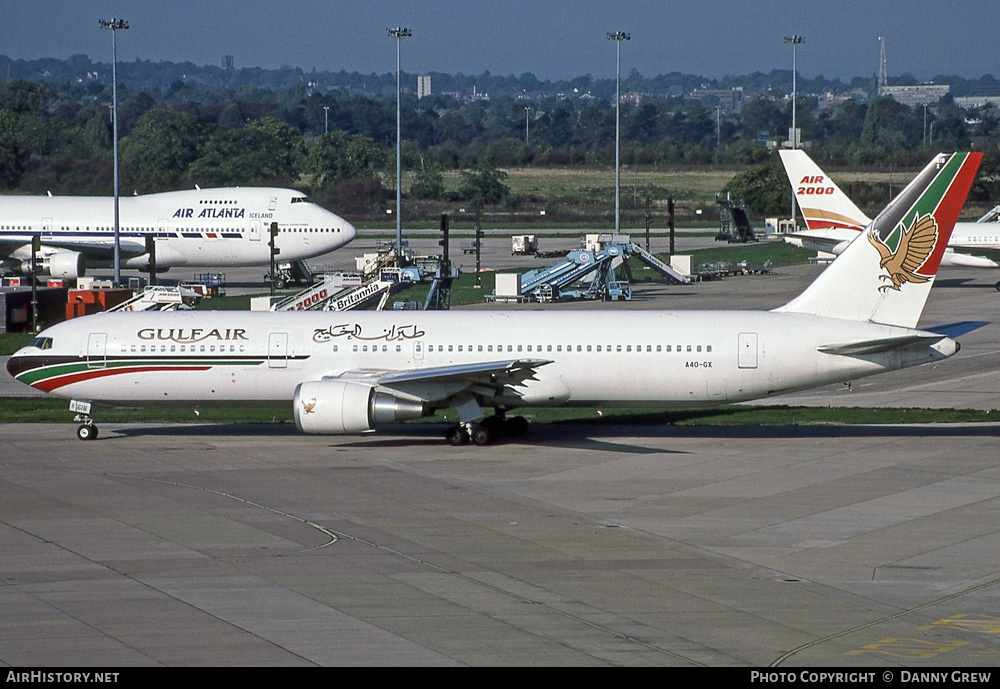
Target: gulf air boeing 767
[(350, 372), (197, 228)]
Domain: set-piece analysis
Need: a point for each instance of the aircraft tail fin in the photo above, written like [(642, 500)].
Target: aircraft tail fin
[(820, 200), (885, 275)]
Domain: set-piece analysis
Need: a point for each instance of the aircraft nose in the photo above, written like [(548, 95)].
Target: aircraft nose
[(16, 363), (348, 232)]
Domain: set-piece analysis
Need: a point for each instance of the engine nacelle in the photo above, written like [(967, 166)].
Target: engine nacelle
[(61, 264), (11, 265), (954, 258), (346, 406)]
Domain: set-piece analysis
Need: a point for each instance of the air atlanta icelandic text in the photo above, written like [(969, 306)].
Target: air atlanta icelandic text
[(210, 213)]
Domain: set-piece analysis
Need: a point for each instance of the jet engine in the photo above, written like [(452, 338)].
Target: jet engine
[(61, 264), (346, 406)]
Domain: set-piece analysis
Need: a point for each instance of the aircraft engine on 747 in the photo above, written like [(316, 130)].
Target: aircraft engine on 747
[(57, 264), (347, 406), (63, 264)]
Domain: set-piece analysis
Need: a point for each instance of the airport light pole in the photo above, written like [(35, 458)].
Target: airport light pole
[(398, 33), (618, 37), (115, 25), (326, 119), (925, 126), (794, 40)]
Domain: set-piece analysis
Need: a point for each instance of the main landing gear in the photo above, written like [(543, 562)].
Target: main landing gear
[(485, 432)]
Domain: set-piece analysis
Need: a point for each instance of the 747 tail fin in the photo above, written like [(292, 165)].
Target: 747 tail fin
[(885, 275)]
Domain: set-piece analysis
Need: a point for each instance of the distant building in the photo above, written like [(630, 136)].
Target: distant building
[(832, 100), (921, 94), (730, 100), (633, 97), (977, 101), (228, 62), (423, 86)]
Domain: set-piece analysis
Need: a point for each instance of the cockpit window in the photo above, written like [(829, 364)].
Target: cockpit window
[(42, 343), (302, 199)]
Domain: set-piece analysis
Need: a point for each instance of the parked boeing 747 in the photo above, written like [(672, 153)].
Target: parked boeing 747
[(197, 228), (350, 372)]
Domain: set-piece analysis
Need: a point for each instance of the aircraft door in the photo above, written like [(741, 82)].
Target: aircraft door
[(255, 230), (97, 350), (747, 356), (46, 228), (418, 353), (277, 350)]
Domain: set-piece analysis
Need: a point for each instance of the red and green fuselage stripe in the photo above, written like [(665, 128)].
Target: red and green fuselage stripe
[(48, 376)]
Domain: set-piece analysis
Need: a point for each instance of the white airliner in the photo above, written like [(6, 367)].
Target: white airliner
[(833, 220), (347, 373), (194, 229)]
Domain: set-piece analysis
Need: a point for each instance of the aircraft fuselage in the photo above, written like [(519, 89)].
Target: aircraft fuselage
[(191, 228), (648, 358)]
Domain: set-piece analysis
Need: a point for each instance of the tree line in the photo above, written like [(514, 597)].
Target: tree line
[(340, 146)]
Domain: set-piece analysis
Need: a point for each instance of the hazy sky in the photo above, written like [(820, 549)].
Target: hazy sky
[(550, 38)]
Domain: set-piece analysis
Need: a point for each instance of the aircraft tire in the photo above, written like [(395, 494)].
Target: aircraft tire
[(482, 435), (456, 436), (86, 432), (517, 427)]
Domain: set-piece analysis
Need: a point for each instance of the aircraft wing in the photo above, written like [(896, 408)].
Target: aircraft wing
[(104, 248), (490, 378)]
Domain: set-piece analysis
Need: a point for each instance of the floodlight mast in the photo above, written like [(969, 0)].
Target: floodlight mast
[(795, 41), (115, 25), (618, 37), (398, 33)]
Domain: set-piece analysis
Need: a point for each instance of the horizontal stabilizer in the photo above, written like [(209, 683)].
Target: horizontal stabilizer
[(881, 345)]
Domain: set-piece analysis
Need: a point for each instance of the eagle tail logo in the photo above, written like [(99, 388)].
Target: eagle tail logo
[(913, 248)]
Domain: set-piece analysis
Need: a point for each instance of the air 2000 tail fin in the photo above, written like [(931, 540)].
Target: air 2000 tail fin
[(885, 275), (821, 201)]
